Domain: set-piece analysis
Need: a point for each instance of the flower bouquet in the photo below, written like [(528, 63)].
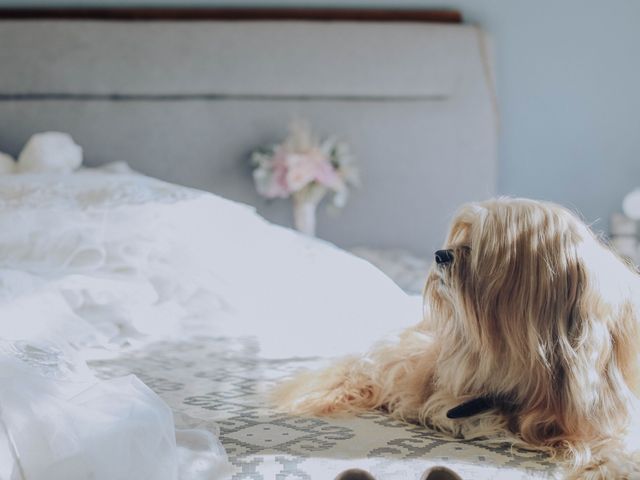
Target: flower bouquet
[(305, 169)]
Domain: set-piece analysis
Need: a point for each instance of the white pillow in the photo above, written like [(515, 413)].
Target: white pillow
[(7, 163), (50, 152)]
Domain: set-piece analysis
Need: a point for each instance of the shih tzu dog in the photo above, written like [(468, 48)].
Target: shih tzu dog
[(531, 327)]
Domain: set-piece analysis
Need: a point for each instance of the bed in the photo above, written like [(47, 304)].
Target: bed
[(201, 298), (121, 270)]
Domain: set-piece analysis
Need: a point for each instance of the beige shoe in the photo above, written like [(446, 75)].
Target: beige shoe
[(440, 473), (355, 474)]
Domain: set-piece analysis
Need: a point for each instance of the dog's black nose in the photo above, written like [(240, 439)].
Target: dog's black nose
[(444, 256)]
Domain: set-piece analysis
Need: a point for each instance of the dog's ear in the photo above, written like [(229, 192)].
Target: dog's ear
[(593, 362), (522, 281)]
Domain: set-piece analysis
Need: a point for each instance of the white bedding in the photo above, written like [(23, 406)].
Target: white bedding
[(94, 263)]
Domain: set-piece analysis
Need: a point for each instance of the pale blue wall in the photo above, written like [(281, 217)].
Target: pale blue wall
[(568, 75)]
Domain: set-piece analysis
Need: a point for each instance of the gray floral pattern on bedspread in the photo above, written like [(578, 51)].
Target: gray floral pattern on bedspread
[(209, 381)]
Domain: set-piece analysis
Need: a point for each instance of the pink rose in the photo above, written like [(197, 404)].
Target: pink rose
[(301, 171)]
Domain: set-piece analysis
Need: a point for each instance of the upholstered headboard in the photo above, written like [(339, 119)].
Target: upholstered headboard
[(187, 101)]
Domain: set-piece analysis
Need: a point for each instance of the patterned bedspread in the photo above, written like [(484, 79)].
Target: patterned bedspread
[(222, 381)]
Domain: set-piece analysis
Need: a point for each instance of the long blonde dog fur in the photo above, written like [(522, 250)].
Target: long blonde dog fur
[(533, 309)]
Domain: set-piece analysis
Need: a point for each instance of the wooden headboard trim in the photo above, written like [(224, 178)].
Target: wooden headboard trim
[(231, 14)]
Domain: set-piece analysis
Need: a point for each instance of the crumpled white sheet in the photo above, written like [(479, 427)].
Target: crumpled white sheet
[(98, 260), (137, 258)]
